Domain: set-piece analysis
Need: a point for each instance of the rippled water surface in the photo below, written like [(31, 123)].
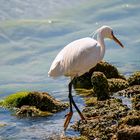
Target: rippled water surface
[(33, 32)]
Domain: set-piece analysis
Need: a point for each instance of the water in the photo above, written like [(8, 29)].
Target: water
[(33, 32)]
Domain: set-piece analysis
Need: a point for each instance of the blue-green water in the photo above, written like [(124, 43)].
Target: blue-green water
[(33, 32)]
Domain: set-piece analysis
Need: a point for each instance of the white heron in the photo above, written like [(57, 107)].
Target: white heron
[(77, 58)]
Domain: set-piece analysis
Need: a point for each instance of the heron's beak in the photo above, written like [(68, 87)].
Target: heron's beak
[(116, 40)]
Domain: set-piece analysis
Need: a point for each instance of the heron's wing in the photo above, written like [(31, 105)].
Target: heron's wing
[(75, 56), (80, 56)]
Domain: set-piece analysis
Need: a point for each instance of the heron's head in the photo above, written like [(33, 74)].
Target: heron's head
[(107, 32)]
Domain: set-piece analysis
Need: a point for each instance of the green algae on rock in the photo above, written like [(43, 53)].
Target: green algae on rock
[(129, 126), (102, 119), (34, 102), (100, 85), (116, 84), (83, 81), (31, 111), (132, 118), (130, 91), (134, 79), (84, 92), (136, 102), (132, 133), (109, 71)]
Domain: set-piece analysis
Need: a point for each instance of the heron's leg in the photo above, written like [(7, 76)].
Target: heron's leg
[(69, 115), (74, 104)]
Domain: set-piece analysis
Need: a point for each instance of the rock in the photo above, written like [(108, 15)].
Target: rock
[(132, 118), (33, 102), (134, 79), (91, 101), (83, 81), (136, 102), (102, 119), (132, 133), (129, 126), (116, 84), (109, 71), (100, 85), (30, 111), (130, 91), (84, 92)]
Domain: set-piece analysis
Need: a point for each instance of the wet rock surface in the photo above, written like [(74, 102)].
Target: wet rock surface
[(102, 119), (100, 85), (134, 79), (107, 69), (33, 104), (110, 119), (116, 84), (130, 91), (107, 118)]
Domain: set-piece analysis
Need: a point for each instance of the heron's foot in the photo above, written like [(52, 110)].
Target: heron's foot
[(67, 121)]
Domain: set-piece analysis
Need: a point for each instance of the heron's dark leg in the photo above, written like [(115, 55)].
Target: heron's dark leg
[(74, 104), (71, 101), (69, 115)]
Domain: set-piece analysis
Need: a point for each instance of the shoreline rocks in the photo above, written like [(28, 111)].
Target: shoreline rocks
[(33, 104), (107, 117), (110, 119)]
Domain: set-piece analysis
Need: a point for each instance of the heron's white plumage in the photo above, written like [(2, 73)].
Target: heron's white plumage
[(81, 55), (76, 58)]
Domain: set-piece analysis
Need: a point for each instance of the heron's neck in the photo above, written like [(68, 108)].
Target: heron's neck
[(100, 39)]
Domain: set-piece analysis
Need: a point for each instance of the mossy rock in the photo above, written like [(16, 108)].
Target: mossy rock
[(129, 133), (31, 111), (136, 102), (107, 69), (41, 100), (102, 119), (134, 79), (116, 84), (83, 81), (100, 85), (91, 101), (129, 126), (132, 118), (130, 91), (84, 92)]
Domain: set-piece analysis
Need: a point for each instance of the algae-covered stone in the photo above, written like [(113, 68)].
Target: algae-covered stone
[(83, 81), (134, 79), (40, 100), (31, 111), (109, 70), (102, 119), (84, 92), (132, 118), (116, 84), (129, 126), (132, 133), (130, 91), (100, 85), (91, 101), (136, 102)]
